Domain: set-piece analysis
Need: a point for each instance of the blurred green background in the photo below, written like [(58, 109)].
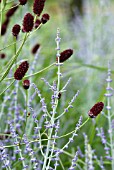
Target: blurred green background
[(88, 28)]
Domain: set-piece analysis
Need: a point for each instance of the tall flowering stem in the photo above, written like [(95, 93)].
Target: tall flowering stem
[(56, 104), (1, 7), (108, 107), (26, 116), (12, 128), (58, 39), (12, 61), (3, 3)]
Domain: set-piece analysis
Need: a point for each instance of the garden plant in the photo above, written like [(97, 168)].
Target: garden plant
[(56, 79)]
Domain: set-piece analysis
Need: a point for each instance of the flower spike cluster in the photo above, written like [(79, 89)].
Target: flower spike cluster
[(15, 30), (96, 109), (65, 55), (2, 55), (4, 26), (45, 18), (35, 48), (21, 70), (38, 6), (26, 84), (11, 11), (37, 23), (23, 2), (28, 22)]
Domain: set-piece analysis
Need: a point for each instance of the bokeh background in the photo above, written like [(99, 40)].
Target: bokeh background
[(88, 28)]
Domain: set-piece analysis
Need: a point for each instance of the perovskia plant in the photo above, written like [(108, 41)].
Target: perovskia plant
[(34, 110), (46, 148)]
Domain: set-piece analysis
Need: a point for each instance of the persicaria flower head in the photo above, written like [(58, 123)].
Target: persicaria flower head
[(11, 11), (4, 26), (65, 55), (38, 6), (26, 84), (37, 23), (21, 70), (59, 95), (3, 29), (3, 137), (96, 109), (2, 55), (15, 30), (45, 18), (28, 22), (23, 2), (35, 48)]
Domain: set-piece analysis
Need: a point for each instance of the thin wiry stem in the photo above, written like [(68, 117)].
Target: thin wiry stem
[(11, 44), (108, 95), (60, 137), (54, 109), (34, 74), (10, 7), (26, 118), (12, 61), (7, 87), (2, 9)]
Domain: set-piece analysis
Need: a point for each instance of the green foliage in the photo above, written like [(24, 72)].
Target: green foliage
[(87, 68)]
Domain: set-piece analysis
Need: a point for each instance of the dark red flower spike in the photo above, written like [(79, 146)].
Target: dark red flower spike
[(37, 23), (26, 84), (21, 70), (59, 95), (23, 2), (15, 30), (38, 6), (65, 55), (96, 109), (28, 22), (4, 26), (2, 56), (11, 11), (35, 48), (45, 18)]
